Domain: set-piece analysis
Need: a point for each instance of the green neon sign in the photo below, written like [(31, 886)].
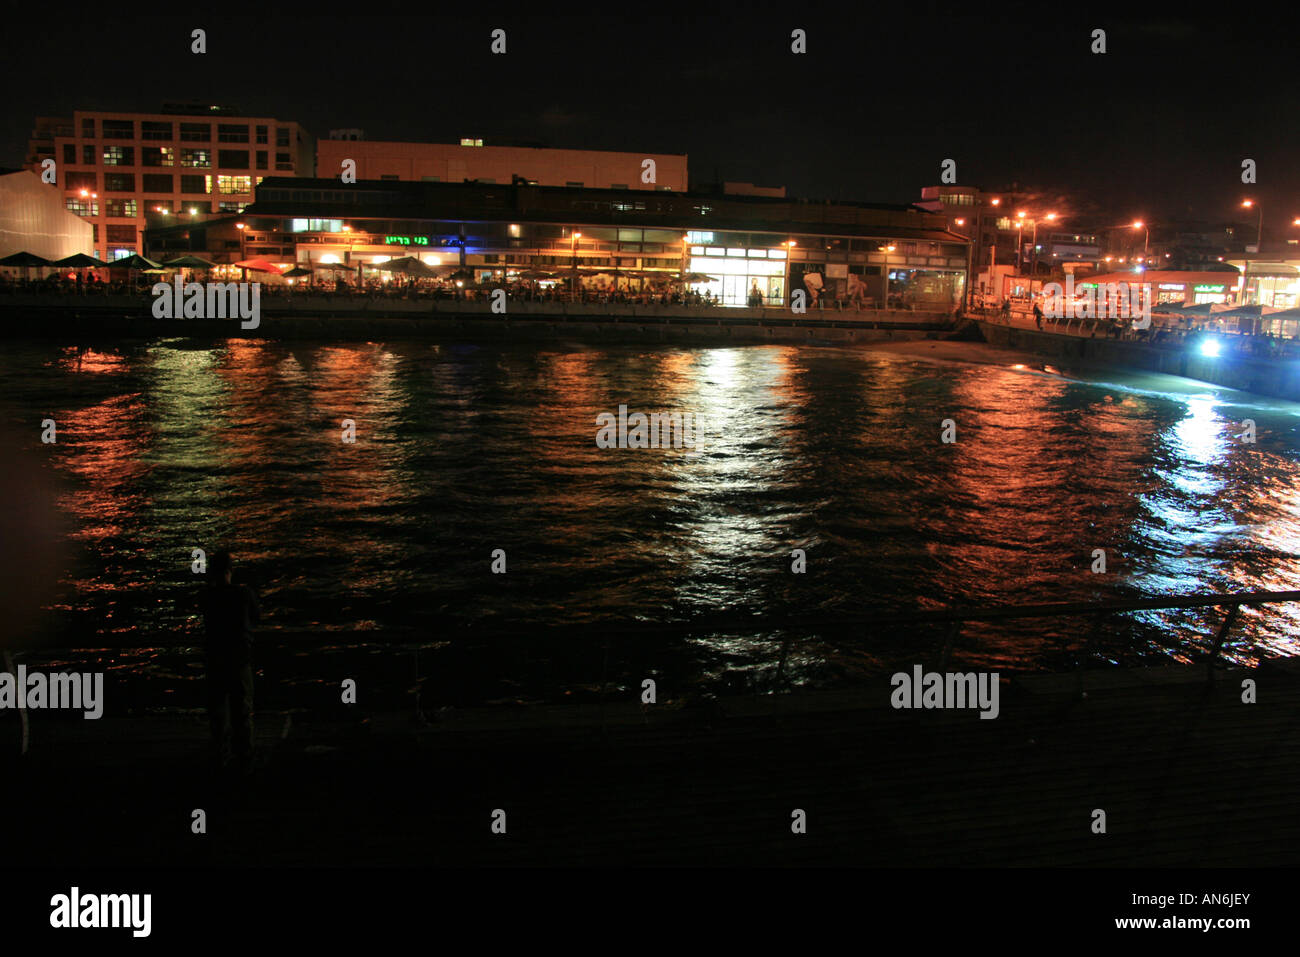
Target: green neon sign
[(406, 240)]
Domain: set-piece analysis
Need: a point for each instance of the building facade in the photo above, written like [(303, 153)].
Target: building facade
[(34, 220), (470, 159), (615, 239), (1011, 252), (123, 172)]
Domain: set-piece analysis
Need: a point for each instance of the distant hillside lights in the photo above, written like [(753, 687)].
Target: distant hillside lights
[(659, 430), (211, 300), (1112, 300)]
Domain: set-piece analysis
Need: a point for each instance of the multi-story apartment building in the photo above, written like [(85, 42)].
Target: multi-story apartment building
[(470, 159), (123, 172)]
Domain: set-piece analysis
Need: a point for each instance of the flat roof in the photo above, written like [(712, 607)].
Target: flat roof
[(500, 202)]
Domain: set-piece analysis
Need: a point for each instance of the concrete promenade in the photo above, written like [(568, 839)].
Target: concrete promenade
[(1187, 774)]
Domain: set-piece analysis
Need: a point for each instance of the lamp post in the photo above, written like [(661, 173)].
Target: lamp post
[(789, 267), (574, 288), (242, 252), (1020, 243), (1033, 272), (970, 254), (1259, 236), (1146, 235)]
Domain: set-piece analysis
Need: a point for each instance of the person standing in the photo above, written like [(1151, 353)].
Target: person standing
[(230, 612)]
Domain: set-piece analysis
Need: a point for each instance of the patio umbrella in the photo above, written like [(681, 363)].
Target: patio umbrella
[(134, 261), (692, 277), (258, 265), (536, 274), (297, 272), (26, 260), (409, 266), (80, 261), (189, 262), (1252, 311)]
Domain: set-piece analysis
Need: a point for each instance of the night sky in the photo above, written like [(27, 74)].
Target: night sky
[(1156, 127)]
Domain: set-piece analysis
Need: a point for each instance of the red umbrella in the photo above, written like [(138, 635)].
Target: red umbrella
[(259, 265)]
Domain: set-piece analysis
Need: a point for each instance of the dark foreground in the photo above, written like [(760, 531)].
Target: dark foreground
[(1187, 774)]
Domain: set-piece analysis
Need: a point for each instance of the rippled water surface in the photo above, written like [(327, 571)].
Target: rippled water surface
[(374, 557)]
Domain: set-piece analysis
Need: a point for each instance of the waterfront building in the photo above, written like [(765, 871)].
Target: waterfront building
[(872, 254), (1269, 278), (1007, 259), (33, 220), (471, 159), (1170, 286), (122, 171)]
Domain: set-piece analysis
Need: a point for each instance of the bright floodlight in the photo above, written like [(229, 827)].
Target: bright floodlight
[(1210, 347)]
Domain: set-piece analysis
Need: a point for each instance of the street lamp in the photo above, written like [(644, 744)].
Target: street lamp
[(1051, 218), (242, 251), (1146, 234), (574, 288), (1020, 243), (970, 255), (1259, 239)]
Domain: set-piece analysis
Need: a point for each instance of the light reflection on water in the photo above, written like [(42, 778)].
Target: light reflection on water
[(462, 450)]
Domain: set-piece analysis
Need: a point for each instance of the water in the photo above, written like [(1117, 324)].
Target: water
[(373, 559)]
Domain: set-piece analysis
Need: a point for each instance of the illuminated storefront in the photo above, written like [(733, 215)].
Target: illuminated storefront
[(1173, 287), (738, 273), (734, 250), (1275, 284)]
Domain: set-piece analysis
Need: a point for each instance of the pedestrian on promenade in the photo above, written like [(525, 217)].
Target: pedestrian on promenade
[(229, 613), (1038, 316)]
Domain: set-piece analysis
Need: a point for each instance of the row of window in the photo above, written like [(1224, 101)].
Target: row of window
[(189, 132), (168, 156), (162, 183)]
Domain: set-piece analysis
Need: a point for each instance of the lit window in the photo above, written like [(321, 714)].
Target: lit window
[(234, 184)]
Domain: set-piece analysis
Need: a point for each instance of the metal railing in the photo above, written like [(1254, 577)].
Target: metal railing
[(956, 617)]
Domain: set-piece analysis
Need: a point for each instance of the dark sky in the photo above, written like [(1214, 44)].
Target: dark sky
[(1156, 127)]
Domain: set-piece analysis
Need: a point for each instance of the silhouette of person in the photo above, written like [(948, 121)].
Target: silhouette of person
[(229, 613)]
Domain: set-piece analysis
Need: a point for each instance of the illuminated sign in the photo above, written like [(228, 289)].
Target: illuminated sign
[(1173, 285), (406, 240), (1208, 288)]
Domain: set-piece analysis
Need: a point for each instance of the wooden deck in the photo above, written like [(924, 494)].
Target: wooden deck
[(1187, 774)]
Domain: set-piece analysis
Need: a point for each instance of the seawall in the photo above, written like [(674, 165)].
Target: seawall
[(1277, 378), (97, 318)]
